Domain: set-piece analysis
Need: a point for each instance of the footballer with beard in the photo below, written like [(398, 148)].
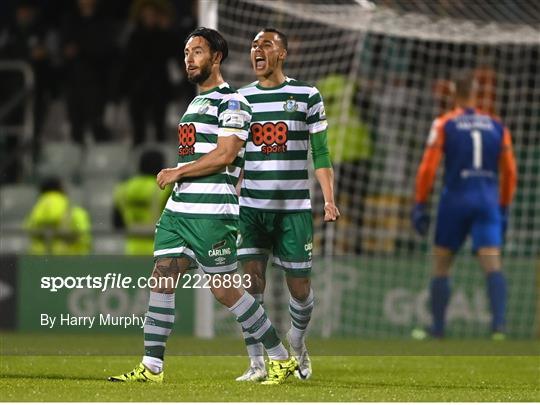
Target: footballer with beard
[(199, 225)]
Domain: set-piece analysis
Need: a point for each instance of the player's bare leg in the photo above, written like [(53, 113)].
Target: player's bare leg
[(227, 296), (300, 309), (442, 261), (167, 271), (256, 269), (257, 273), (299, 287), (490, 261), (159, 320)]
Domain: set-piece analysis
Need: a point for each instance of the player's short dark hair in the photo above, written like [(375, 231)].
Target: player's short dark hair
[(282, 37), (151, 162), (464, 83), (215, 40)]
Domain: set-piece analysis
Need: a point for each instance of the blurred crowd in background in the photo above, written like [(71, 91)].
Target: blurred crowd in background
[(91, 94), (93, 56)]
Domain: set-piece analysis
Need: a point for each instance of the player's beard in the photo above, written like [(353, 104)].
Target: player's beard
[(204, 73)]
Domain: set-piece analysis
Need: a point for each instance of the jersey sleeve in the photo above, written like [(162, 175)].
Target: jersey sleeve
[(316, 115), (430, 161), (234, 117), (319, 150), (507, 169)]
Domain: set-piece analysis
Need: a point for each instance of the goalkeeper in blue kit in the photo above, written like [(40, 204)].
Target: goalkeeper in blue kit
[(479, 183)]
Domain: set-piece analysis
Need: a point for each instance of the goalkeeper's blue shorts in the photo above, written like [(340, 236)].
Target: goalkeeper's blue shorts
[(461, 214)]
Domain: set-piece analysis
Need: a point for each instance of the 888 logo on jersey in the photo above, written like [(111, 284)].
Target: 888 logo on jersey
[(186, 139), (272, 137)]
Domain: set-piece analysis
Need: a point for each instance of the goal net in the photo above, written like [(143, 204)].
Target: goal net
[(384, 76)]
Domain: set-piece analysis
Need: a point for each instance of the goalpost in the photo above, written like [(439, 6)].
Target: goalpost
[(384, 76), (204, 300)]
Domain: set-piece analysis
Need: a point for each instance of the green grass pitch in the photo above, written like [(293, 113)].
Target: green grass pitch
[(47, 367)]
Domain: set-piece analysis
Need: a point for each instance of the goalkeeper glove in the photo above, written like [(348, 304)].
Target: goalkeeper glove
[(504, 220), (420, 219)]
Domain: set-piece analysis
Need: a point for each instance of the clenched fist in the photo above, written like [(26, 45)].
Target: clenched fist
[(331, 212), (167, 176)]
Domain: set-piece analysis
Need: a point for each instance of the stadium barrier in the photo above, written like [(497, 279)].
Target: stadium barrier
[(378, 297), (27, 296), (393, 296)]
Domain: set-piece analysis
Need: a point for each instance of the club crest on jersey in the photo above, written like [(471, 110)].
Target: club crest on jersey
[(290, 105)]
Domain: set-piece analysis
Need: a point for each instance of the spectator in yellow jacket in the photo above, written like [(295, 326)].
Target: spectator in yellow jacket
[(56, 225), (138, 203)]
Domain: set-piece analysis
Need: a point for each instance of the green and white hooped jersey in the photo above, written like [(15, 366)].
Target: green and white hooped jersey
[(276, 165), (218, 112)]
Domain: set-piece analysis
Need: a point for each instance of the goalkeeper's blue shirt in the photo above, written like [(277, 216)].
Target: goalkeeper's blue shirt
[(479, 175)]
